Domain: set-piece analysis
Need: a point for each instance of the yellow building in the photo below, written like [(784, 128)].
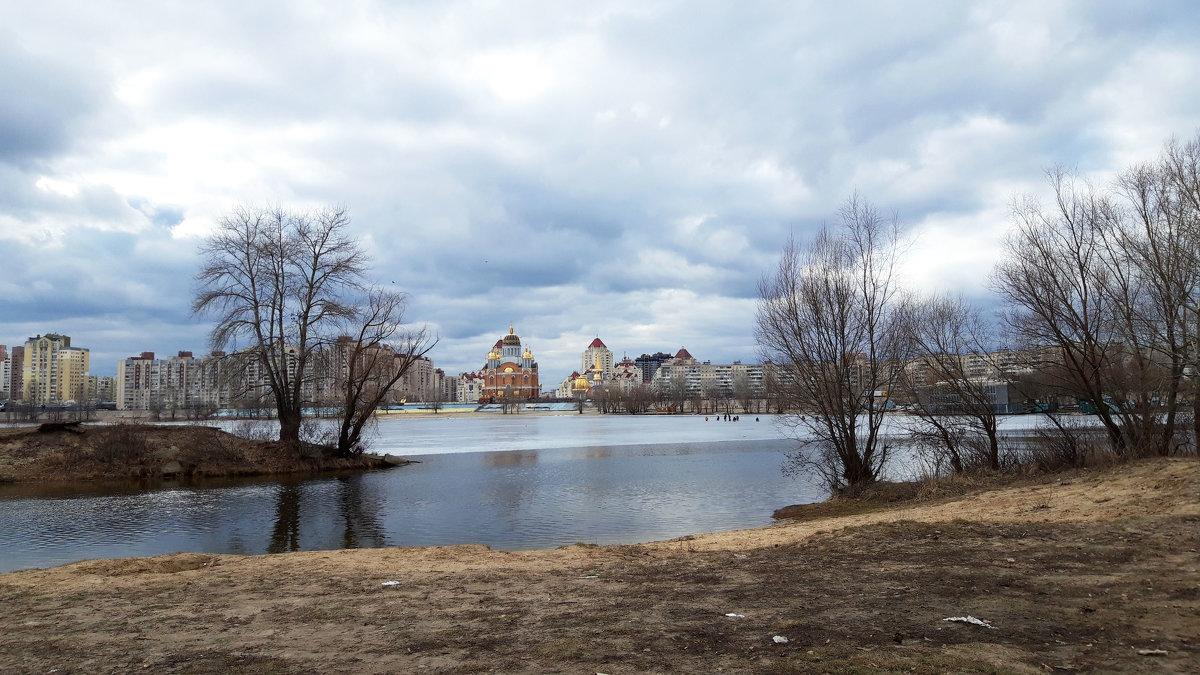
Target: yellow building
[(53, 371)]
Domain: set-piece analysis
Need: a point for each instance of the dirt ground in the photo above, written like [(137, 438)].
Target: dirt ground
[(146, 451), (1095, 571)]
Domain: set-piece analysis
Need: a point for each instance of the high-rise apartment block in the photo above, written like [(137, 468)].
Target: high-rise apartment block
[(597, 355), (53, 371), (5, 373)]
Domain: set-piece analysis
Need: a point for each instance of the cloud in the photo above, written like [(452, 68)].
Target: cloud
[(624, 169)]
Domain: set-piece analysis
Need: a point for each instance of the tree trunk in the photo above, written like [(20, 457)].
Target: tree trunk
[(289, 427)]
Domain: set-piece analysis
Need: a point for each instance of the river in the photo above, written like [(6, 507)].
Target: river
[(509, 481)]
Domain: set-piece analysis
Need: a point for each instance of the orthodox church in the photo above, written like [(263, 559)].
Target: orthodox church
[(509, 371)]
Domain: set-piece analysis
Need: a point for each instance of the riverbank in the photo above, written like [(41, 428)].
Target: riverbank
[(1089, 570), (69, 452)]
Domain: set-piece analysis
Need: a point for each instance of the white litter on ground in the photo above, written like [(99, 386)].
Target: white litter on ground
[(390, 583), (780, 640), (971, 620), (735, 616)]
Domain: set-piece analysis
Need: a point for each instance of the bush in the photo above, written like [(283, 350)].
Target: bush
[(121, 444)]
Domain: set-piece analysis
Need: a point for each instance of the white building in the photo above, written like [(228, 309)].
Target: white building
[(597, 354), (711, 379)]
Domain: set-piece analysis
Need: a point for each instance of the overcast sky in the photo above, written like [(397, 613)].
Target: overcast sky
[(627, 170)]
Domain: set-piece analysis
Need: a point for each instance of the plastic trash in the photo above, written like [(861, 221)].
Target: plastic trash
[(735, 616), (390, 583), (971, 620), (780, 640)]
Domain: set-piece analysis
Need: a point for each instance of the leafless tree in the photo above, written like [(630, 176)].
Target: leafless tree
[(436, 399), (638, 399), (826, 319), (374, 359), (508, 401), (284, 284), (1179, 167), (1055, 280), (675, 390), (1105, 290), (1157, 246), (954, 380), (742, 391)]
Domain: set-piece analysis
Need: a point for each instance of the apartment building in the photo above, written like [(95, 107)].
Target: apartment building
[(53, 371)]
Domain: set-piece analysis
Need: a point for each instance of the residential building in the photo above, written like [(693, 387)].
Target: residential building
[(566, 388), (16, 363), (597, 355), (101, 388), (5, 372), (650, 363), (179, 382), (419, 383), (53, 372), (470, 388), (709, 379)]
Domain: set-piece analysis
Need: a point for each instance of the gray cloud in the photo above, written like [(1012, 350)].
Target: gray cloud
[(625, 169)]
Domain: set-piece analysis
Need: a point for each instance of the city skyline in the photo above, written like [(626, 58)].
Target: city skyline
[(626, 171)]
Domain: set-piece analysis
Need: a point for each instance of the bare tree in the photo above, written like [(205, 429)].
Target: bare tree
[(509, 403), (1106, 293), (637, 399), (742, 392), (1157, 250), (826, 320), (675, 389), (436, 398), (955, 381), (1055, 281), (373, 361), (283, 284), (1179, 167)]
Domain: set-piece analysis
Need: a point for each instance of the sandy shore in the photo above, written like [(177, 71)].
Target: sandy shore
[(1097, 570)]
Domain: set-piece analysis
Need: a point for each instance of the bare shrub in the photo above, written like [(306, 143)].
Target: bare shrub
[(253, 430), (122, 444), (1067, 444), (220, 450), (317, 436)]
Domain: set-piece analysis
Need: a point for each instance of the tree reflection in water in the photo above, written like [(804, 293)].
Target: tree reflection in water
[(358, 516), (286, 534)]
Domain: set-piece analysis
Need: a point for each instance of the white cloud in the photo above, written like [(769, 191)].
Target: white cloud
[(627, 169)]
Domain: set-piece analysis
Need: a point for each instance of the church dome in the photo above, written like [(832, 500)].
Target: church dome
[(511, 338), (528, 354)]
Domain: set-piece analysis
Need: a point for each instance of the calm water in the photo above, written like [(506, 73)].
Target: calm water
[(511, 482)]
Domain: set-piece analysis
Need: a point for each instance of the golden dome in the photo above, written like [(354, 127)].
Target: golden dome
[(581, 384), (528, 354)]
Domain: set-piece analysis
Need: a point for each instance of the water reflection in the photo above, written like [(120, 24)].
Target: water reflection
[(360, 515), (510, 458), (286, 534)]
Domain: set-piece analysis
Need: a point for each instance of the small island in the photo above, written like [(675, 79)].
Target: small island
[(70, 451)]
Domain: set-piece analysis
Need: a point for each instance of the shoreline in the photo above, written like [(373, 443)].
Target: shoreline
[(1093, 569)]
